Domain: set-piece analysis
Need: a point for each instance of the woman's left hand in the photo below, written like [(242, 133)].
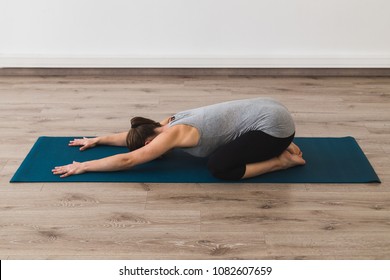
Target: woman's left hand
[(70, 169)]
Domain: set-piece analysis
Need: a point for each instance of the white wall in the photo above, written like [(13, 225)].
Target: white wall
[(195, 33)]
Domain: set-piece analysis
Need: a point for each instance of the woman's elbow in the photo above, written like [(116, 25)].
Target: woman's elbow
[(125, 163)]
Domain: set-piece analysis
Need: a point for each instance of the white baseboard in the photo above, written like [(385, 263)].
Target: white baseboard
[(42, 61)]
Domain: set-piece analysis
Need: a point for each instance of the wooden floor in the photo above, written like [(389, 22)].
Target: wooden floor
[(191, 221)]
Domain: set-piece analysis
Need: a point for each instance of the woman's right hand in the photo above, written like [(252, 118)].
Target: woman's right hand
[(85, 143)]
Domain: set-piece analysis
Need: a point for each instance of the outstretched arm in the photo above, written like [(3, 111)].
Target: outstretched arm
[(118, 139), (156, 148), (112, 163)]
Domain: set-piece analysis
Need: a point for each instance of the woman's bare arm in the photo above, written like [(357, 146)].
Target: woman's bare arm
[(159, 146), (118, 139)]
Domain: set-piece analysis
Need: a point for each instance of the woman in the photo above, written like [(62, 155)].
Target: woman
[(243, 139)]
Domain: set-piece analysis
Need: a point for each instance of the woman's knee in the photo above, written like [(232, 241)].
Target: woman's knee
[(221, 171), (214, 167)]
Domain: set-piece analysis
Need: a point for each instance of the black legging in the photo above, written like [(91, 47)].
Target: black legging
[(229, 161)]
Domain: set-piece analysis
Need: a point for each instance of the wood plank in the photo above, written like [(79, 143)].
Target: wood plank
[(83, 217), (106, 242), (270, 220), (262, 199), (65, 196), (327, 245)]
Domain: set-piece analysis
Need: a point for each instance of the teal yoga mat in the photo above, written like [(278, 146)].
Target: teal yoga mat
[(328, 160)]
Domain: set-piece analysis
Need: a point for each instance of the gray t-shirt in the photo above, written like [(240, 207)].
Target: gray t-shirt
[(222, 123)]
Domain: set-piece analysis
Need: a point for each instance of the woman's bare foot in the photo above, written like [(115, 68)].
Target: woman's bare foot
[(284, 161), (289, 160), (294, 149)]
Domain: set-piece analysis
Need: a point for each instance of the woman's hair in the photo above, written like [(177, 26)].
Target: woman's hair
[(141, 129)]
